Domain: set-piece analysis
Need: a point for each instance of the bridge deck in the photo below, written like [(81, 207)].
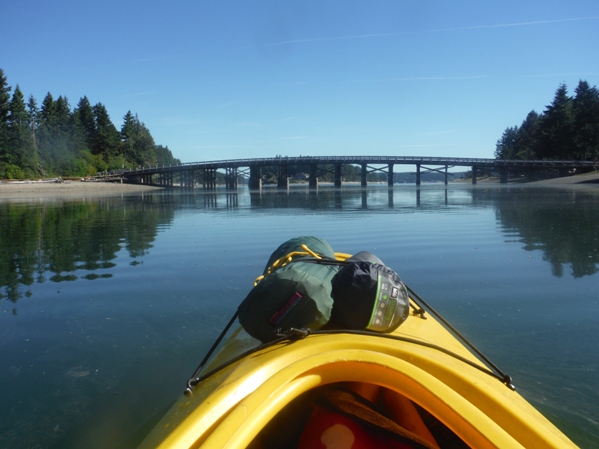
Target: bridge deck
[(186, 171)]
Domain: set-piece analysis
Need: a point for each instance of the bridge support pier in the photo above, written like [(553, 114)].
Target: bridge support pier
[(255, 182), (474, 174), (209, 179), (188, 180), (313, 179), (231, 178), (417, 174), (390, 176), (337, 175), (283, 179), (503, 176), (363, 175)]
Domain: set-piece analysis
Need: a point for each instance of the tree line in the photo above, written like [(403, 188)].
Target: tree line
[(54, 139), (568, 129)]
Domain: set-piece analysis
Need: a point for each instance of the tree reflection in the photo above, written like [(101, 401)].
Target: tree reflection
[(70, 240), (563, 225), (81, 239)]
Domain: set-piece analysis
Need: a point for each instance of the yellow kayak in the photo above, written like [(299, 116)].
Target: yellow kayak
[(429, 383)]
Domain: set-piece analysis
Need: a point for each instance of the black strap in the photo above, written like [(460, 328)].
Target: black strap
[(212, 349)]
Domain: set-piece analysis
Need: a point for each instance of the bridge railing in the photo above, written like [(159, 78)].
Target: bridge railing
[(376, 160)]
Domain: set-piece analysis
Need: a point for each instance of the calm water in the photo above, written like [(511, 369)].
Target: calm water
[(107, 305)]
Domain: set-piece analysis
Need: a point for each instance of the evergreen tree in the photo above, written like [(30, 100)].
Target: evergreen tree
[(144, 145), (556, 127), (64, 150), (164, 156), (585, 106), (45, 134), (47, 111), (527, 137), (106, 140), (506, 146), (33, 111), (129, 132), (33, 115), (85, 121), (17, 113), (62, 115), (22, 150), (138, 143), (4, 107)]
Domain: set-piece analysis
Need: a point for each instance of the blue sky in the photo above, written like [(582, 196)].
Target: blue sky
[(236, 79)]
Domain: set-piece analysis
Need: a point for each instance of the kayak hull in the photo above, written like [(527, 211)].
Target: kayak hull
[(232, 406)]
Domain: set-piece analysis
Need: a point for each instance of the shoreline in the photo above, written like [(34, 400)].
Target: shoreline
[(67, 189), (585, 179), (11, 190)]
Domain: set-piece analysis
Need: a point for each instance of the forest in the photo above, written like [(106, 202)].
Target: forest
[(54, 139), (568, 129)]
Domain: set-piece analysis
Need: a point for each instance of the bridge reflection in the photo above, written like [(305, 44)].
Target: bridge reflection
[(347, 199), (80, 240)]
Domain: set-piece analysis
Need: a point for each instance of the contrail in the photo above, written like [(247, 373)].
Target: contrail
[(337, 38), (422, 78), (473, 27), (518, 24)]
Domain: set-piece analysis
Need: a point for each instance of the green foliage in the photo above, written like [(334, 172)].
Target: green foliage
[(4, 108), (56, 140), (585, 107), (138, 144), (106, 139), (11, 171), (567, 129), (84, 120), (164, 156)]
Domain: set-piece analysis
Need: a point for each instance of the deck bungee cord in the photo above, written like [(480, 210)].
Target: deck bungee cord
[(291, 335), (418, 306)]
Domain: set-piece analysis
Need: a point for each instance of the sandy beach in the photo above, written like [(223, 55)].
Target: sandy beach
[(73, 189), (586, 178)]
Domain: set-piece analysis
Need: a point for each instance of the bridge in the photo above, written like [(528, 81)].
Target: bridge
[(192, 174)]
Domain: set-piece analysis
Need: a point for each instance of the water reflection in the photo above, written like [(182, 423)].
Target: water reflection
[(70, 240), (564, 227)]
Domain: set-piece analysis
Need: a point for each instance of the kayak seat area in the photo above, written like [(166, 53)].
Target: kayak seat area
[(352, 415)]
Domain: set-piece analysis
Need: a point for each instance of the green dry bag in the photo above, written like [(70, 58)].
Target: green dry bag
[(296, 295)]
